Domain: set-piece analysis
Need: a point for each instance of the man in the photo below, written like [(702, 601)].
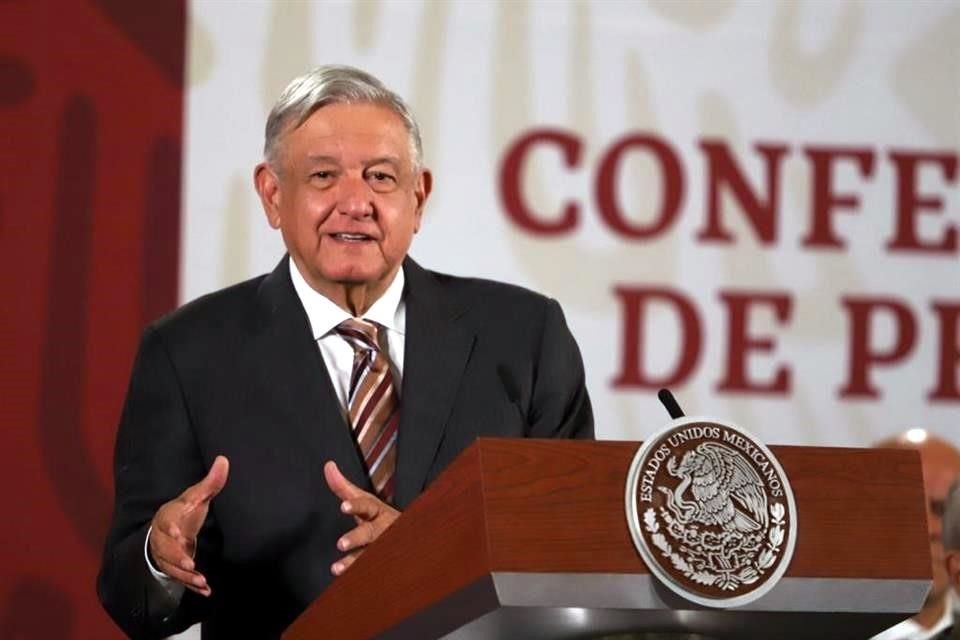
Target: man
[(275, 428), (941, 463), (951, 550)]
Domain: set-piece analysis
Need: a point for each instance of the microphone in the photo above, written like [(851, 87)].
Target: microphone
[(668, 401)]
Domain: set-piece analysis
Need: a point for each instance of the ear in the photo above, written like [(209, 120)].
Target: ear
[(952, 561), (267, 184), (421, 192)]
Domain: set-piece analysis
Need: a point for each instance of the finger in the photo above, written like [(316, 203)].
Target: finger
[(338, 483), (170, 538), (174, 556), (344, 563), (365, 507), (169, 517), (212, 484), (176, 535), (164, 525), (190, 579), (367, 531), (182, 519), (357, 537), (206, 591)]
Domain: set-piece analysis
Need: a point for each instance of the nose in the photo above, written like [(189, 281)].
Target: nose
[(355, 197)]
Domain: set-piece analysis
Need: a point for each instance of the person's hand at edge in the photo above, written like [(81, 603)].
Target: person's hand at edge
[(173, 537), (372, 516)]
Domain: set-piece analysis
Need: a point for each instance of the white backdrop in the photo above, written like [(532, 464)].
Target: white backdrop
[(873, 76)]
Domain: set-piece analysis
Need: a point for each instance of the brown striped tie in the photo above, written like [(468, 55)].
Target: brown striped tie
[(374, 405)]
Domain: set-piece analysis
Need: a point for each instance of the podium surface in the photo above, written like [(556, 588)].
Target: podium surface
[(529, 539)]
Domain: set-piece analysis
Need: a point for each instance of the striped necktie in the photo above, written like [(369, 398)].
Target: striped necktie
[(373, 403)]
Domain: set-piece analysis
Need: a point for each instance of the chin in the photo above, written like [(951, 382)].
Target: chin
[(353, 275)]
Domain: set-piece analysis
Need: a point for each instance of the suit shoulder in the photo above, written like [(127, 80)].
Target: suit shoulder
[(491, 292), (211, 314)]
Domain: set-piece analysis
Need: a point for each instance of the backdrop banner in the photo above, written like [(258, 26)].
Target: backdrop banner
[(753, 203)]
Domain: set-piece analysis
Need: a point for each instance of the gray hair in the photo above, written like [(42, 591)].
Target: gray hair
[(951, 518), (333, 84)]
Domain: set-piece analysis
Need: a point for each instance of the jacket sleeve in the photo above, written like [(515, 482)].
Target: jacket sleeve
[(560, 405), (156, 458)]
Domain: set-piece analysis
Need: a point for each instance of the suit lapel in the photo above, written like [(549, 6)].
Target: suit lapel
[(438, 346), (299, 380)]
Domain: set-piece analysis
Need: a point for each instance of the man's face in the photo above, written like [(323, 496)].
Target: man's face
[(939, 470), (347, 197), (937, 478)]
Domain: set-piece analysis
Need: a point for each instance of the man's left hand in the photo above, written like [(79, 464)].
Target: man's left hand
[(372, 515)]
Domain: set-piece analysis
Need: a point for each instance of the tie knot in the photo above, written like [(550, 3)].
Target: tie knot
[(361, 334)]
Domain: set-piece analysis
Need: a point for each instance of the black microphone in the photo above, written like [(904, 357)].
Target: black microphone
[(668, 401)]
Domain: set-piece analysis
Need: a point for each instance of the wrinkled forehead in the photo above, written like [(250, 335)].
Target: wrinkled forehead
[(937, 479), (349, 132)]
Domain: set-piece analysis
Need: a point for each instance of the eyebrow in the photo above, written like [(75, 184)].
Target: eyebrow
[(394, 160)]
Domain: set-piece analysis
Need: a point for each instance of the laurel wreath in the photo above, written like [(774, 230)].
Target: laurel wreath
[(725, 581)]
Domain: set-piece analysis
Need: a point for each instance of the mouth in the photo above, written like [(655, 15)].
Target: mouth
[(351, 237)]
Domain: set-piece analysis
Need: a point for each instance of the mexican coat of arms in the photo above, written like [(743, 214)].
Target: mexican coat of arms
[(711, 512)]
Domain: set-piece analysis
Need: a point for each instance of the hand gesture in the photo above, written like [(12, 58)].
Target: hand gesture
[(372, 515), (173, 539)]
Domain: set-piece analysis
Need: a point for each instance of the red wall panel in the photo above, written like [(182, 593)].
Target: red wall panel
[(91, 102)]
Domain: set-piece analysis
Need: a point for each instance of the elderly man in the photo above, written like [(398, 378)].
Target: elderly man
[(940, 461), (951, 555), (273, 429)]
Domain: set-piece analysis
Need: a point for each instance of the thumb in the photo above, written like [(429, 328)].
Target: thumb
[(212, 484), (338, 483)]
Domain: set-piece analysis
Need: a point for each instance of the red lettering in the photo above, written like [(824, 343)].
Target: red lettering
[(723, 171), (740, 343), (606, 184), (512, 169), (634, 302), (823, 198), (948, 386), (910, 203), (863, 354)]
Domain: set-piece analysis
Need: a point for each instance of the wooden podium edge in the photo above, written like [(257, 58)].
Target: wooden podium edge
[(492, 513), (445, 529)]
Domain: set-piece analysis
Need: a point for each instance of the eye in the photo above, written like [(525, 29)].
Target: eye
[(322, 174), (381, 176), (381, 181)]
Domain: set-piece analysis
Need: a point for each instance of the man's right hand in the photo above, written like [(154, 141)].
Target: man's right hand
[(173, 538)]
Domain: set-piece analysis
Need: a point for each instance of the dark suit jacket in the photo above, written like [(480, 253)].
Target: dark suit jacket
[(238, 373)]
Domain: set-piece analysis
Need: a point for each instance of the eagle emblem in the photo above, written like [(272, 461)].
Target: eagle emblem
[(726, 490), (711, 512)]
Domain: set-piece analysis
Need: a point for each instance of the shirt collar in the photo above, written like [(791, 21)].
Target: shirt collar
[(910, 630), (324, 315)]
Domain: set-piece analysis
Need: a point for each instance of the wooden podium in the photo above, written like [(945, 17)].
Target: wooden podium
[(528, 539)]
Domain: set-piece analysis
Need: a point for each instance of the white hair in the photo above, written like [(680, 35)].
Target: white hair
[(951, 518), (333, 84)]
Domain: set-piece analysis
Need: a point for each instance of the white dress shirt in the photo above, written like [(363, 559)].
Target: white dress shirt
[(910, 630), (389, 311)]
